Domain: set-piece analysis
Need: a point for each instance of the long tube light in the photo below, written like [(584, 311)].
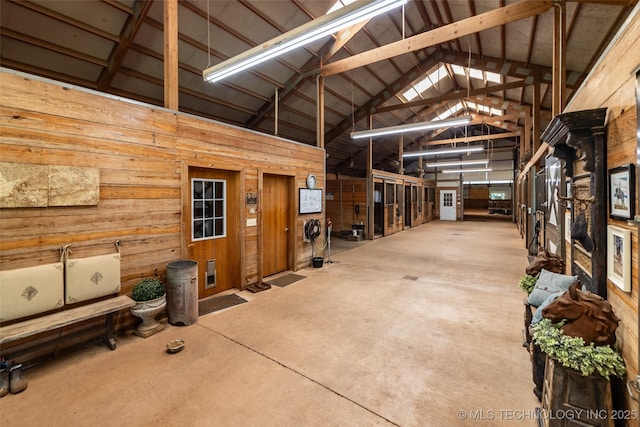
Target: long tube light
[(300, 36), (460, 163), (467, 170), (447, 151), (411, 127), (499, 181)]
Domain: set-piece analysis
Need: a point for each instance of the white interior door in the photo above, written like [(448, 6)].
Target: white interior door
[(447, 205)]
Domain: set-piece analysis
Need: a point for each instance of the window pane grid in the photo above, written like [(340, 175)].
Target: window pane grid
[(208, 201)]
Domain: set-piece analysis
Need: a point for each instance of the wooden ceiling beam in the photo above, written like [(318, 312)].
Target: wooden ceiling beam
[(67, 20), (514, 12), (504, 135), (128, 33), (380, 98), (472, 7), (5, 32)]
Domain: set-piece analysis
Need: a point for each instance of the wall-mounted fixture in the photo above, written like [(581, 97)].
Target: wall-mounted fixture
[(411, 127), (300, 36)]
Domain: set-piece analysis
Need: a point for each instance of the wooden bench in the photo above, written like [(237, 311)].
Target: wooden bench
[(64, 318)]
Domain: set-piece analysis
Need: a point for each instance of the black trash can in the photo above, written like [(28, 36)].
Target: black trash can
[(182, 292)]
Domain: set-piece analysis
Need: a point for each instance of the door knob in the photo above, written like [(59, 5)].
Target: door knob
[(286, 229)]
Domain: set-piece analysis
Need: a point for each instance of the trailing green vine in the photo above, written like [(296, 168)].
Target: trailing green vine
[(527, 283), (573, 353)]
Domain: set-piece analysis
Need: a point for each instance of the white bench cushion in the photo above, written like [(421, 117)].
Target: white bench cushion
[(92, 277), (31, 290)]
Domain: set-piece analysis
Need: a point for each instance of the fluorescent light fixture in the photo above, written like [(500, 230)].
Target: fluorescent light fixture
[(498, 181), (460, 150), (460, 163), (305, 34), (467, 170), (411, 127)]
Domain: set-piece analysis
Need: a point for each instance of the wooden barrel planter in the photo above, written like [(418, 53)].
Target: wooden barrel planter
[(572, 399)]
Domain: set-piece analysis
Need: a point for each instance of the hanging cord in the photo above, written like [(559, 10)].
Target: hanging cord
[(403, 21), (208, 37), (353, 113)]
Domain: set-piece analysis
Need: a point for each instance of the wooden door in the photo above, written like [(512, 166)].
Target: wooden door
[(275, 224), (212, 222)]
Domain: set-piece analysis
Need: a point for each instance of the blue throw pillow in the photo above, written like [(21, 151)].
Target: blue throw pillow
[(549, 283), (537, 316)]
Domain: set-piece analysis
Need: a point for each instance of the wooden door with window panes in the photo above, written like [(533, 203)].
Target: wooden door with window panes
[(213, 224)]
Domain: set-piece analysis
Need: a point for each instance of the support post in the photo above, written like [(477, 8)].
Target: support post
[(171, 88)]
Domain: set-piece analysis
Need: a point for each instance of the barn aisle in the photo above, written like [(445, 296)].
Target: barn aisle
[(421, 328)]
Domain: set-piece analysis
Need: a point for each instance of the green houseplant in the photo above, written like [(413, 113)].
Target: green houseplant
[(527, 283), (573, 353), (148, 289), (151, 299)]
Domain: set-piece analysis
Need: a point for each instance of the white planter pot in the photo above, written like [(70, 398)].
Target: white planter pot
[(147, 311)]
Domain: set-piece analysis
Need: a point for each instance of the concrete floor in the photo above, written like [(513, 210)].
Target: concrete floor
[(422, 328)]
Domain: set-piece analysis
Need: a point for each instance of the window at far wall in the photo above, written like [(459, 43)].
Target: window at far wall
[(208, 209)]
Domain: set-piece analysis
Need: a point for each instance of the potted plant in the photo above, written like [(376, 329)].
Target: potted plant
[(574, 368), (150, 297), (573, 353)]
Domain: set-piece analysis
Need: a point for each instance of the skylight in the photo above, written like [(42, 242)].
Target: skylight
[(449, 111), (457, 69), (493, 77), (426, 83), (476, 73), (484, 109), (339, 5)]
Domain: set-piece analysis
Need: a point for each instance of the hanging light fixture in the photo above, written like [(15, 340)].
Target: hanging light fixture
[(318, 28), (466, 170), (459, 163), (411, 127), (459, 150)]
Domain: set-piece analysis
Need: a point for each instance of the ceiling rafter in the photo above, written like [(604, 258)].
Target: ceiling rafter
[(67, 20), (211, 20), (134, 21), (472, 7), (612, 31), (503, 37), (379, 99), (5, 32), (440, 22), (447, 12), (514, 12), (38, 71)]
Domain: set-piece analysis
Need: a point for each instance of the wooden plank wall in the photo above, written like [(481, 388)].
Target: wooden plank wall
[(612, 85), (142, 153), (478, 198), (347, 193)]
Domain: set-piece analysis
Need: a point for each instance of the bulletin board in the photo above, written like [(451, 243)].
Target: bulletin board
[(310, 201)]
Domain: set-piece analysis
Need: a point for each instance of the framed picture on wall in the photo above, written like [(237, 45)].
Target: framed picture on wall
[(622, 192), (619, 257)]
